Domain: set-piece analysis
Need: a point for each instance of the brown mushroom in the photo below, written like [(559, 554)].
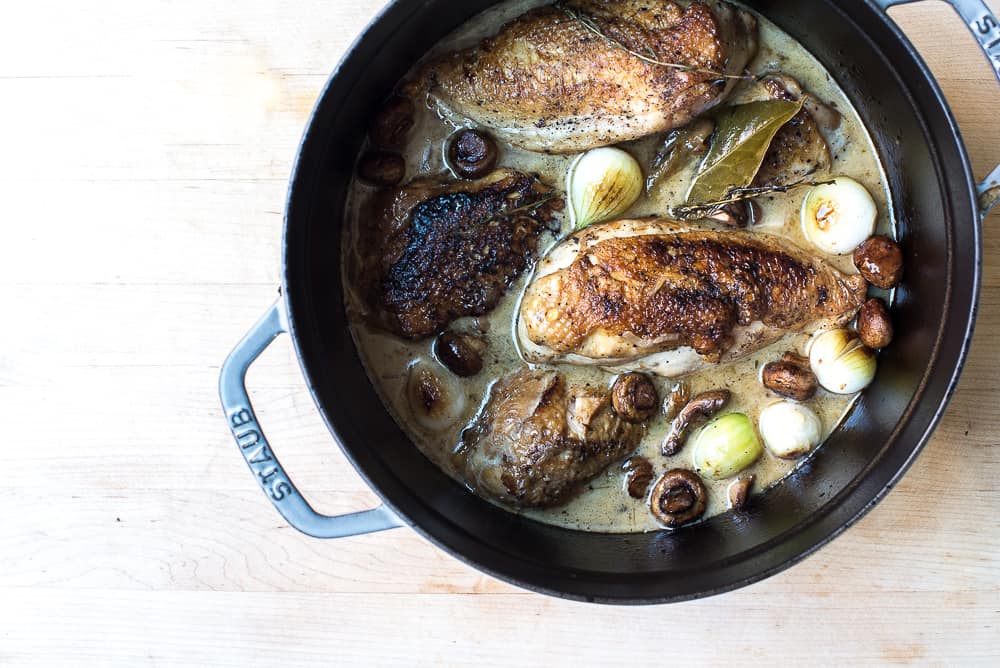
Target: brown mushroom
[(703, 406), (874, 324), (680, 395), (462, 354), (679, 147), (393, 123), (790, 377), (781, 86), (638, 474), (679, 497), (739, 492), (880, 261), (382, 168), (634, 398), (472, 154), (737, 214)]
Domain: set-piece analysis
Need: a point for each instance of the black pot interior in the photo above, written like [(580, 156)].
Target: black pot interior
[(930, 182)]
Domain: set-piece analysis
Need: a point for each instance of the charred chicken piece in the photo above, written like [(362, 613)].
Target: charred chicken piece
[(547, 82), (434, 252), (538, 439)]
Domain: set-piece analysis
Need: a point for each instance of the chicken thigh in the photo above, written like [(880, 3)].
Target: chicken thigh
[(538, 439)]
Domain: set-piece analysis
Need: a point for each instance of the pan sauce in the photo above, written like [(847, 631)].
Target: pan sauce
[(604, 506)]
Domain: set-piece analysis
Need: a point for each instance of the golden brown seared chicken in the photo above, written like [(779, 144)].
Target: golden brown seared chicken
[(538, 439), (799, 149), (671, 298), (547, 83), (433, 252)]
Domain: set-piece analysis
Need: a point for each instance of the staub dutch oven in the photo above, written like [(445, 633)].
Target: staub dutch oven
[(940, 212)]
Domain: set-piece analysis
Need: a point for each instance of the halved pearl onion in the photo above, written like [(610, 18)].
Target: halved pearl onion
[(839, 217), (789, 430), (602, 184), (841, 362), (435, 399)]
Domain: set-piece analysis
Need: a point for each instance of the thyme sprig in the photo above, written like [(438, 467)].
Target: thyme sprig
[(734, 195), (525, 208), (590, 25)]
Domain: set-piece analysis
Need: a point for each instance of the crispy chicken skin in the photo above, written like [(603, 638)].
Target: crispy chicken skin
[(434, 252), (799, 149), (621, 291), (538, 439), (547, 83)]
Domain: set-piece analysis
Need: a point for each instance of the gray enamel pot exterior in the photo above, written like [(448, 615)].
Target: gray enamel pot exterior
[(939, 227)]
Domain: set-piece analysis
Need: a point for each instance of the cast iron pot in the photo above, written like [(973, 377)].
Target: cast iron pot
[(940, 210)]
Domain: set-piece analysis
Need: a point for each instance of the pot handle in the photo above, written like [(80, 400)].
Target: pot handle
[(989, 192), (985, 27), (259, 456)]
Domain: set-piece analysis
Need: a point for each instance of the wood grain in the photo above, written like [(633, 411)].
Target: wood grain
[(146, 148)]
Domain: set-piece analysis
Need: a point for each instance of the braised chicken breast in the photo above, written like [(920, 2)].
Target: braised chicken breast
[(561, 78), (619, 292)]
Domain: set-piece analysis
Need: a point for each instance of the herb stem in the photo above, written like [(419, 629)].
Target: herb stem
[(734, 195), (525, 208), (591, 26)]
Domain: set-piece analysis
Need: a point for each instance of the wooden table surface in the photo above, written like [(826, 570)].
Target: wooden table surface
[(144, 154)]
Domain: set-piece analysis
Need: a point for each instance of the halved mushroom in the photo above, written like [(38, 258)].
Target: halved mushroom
[(679, 147), (783, 87), (679, 497), (680, 395), (790, 377), (638, 474), (634, 397), (393, 122), (472, 154), (382, 168), (739, 492), (738, 214), (703, 406), (461, 353)]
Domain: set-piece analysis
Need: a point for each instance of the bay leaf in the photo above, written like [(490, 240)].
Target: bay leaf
[(742, 136)]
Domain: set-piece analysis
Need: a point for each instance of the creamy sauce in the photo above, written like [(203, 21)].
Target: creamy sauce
[(604, 506)]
